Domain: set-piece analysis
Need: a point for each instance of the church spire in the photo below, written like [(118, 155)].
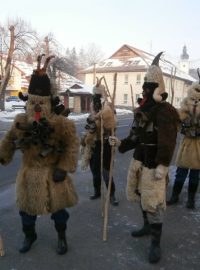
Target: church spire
[(184, 55)]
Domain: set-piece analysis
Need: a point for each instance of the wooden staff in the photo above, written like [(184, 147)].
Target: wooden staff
[(101, 119), (107, 89), (172, 80), (132, 97), (105, 225), (2, 252), (102, 186)]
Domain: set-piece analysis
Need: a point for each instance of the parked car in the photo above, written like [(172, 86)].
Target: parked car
[(12, 98)]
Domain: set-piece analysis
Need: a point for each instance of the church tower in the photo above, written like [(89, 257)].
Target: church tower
[(184, 60)]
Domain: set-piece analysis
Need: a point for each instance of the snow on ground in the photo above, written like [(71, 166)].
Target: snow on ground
[(8, 115)]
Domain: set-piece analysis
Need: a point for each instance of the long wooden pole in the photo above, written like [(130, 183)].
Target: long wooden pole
[(102, 149), (132, 97), (173, 74), (107, 89), (94, 73), (2, 252), (105, 225)]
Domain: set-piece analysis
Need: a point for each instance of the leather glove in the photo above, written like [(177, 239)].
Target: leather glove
[(161, 172), (114, 141), (59, 175), (2, 161)]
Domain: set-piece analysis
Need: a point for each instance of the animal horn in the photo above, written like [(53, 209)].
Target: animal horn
[(47, 61), (198, 74), (100, 80), (156, 59), (97, 84), (39, 59)]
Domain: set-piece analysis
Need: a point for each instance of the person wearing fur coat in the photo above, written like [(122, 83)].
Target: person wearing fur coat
[(102, 119), (188, 157), (153, 136), (49, 147)]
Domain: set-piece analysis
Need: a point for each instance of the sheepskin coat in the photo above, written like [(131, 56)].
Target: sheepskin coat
[(36, 191), (188, 155), (154, 142), (105, 122)]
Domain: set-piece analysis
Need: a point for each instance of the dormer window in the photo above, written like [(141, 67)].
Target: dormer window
[(108, 64), (101, 64), (128, 63), (136, 62)]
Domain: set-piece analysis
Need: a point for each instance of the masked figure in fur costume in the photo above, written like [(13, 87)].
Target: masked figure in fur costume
[(49, 148), (91, 143), (153, 136), (188, 157)]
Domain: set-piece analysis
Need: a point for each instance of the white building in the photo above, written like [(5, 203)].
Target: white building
[(131, 64)]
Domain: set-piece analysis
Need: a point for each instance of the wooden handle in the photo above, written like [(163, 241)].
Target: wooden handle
[(2, 252)]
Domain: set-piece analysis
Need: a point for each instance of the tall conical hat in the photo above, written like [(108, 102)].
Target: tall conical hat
[(194, 89), (154, 75)]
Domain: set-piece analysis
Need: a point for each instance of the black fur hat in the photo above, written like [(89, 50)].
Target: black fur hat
[(40, 83)]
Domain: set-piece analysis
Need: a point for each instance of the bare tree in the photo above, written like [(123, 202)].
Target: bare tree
[(17, 38), (93, 54), (5, 72), (62, 62)]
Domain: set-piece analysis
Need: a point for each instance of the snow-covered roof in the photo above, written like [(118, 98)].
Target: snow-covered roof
[(26, 68), (138, 60), (67, 82), (194, 64)]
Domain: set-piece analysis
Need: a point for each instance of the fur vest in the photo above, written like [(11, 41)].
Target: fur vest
[(154, 137), (36, 191)]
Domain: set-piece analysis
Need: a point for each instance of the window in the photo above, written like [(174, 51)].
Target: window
[(137, 96), (128, 63), (108, 64), (177, 100), (71, 102), (101, 64), (138, 78), (126, 79), (125, 98), (136, 62)]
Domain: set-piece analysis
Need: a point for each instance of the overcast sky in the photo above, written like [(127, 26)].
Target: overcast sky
[(150, 25)]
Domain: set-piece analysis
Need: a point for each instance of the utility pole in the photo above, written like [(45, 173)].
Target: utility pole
[(46, 40), (94, 73)]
